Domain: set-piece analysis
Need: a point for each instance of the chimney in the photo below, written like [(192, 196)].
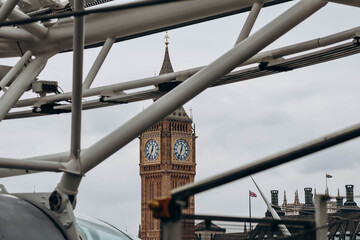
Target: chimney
[(339, 201), (308, 196), (275, 197), (349, 195), (275, 204), (308, 208)]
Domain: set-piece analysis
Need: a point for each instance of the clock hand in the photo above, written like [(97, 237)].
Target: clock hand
[(151, 148), (153, 151)]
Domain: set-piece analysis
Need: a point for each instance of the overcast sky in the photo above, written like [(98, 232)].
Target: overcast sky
[(235, 124)]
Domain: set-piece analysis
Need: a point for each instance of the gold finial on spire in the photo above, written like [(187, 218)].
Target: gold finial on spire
[(166, 39)]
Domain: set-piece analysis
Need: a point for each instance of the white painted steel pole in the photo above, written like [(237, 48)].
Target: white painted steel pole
[(197, 83), (15, 70), (68, 179), (34, 28), (78, 59), (17, 34), (98, 63), (321, 217), (21, 84), (36, 165), (274, 214), (7, 8), (250, 21)]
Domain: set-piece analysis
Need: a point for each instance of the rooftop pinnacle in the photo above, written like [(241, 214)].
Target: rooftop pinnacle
[(166, 66)]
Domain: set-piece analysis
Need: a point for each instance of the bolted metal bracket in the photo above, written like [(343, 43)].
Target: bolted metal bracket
[(62, 215)]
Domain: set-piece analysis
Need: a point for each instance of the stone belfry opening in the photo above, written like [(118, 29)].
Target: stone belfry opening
[(167, 161)]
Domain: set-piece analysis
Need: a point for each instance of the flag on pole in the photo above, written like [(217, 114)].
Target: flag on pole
[(328, 176), (252, 194)]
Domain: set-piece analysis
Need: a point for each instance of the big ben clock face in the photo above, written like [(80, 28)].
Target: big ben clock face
[(181, 149), (151, 149)]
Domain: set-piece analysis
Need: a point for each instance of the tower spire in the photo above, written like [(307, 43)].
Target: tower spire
[(285, 200), (296, 201), (166, 66), (166, 39)]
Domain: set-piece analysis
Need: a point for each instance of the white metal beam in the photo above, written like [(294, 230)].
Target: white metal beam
[(98, 63), (21, 83), (15, 70), (321, 217), (355, 3), (250, 21), (276, 53), (274, 214), (197, 83), (16, 34), (7, 8), (35, 165), (66, 183), (128, 23), (34, 28)]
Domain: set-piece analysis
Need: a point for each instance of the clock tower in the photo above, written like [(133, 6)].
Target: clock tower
[(167, 161)]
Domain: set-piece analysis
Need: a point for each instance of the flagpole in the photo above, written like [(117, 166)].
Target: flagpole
[(250, 211)]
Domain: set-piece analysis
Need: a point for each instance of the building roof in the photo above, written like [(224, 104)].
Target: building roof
[(166, 66), (207, 225), (180, 113)]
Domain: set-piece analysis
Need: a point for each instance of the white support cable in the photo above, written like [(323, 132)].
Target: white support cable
[(34, 28), (98, 63), (7, 8), (14, 70), (250, 21)]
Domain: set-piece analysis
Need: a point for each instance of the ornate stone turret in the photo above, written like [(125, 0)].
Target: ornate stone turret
[(179, 114), (285, 200), (339, 201), (296, 200), (166, 66)]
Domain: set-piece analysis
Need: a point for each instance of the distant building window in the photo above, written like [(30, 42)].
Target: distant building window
[(357, 236), (347, 235), (337, 236)]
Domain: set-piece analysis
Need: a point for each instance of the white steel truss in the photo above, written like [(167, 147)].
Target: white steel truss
[(42, 40)]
